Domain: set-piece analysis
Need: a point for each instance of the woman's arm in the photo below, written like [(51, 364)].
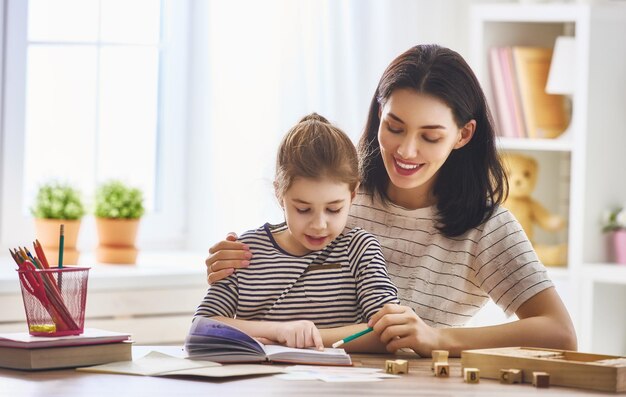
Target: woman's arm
[(225, 257), (543, 322)]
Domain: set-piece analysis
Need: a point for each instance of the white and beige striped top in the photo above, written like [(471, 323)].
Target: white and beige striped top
[(447, 280)]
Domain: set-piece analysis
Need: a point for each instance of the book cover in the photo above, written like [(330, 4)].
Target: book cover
[(545, 115), (64, 356), (90, 336), (213, 340)]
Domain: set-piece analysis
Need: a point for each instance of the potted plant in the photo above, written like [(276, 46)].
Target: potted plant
[(614, 222), (58, 204), (119, 208)]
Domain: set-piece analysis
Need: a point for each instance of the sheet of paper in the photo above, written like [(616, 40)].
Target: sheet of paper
[(159, 364), (228, 371), (154, 363), (334, 374)]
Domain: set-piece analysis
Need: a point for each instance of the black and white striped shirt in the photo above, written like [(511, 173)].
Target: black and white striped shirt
[(447, 280), (343, 284)]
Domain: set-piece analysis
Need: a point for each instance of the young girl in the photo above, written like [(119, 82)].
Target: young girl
[(431, 194), (307, 272)]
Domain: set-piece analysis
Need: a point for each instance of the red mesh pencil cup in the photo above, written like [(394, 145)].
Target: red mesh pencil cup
[(54, 300)]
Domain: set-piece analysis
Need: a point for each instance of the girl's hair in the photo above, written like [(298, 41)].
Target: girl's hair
[(316, 149), (472, 182)]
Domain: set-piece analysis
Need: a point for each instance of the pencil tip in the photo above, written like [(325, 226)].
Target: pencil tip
[(337, 344)]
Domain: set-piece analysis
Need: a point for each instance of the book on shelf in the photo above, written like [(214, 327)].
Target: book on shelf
[(523, 109), (89, 336), (512, 93), (502, 114), (64, 356), (544, 114), (159, 364), (213, 340)]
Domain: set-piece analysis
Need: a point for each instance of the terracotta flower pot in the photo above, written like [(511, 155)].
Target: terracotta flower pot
[(47, 232), (117, 240)]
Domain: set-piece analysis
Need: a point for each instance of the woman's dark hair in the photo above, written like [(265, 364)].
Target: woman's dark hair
[(472, 182), (314, 148)]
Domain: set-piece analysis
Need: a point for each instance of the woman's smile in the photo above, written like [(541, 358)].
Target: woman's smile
[(405, 168)]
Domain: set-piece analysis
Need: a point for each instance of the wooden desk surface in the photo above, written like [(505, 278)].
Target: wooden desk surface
[(419, 381)]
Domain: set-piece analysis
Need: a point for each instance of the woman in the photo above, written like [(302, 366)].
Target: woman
[(431, 191)]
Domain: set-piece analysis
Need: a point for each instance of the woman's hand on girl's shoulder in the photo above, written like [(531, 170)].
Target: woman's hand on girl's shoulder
[(225, 257), (400, 327)]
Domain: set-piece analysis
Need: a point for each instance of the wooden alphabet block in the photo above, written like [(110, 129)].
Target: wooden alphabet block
[(439, 356), (511, 376), (471, 375), (397, 366), (541, 379), (442, 370)]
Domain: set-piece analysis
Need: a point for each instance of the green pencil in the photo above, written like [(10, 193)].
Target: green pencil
[(61, 243), (352, 337)]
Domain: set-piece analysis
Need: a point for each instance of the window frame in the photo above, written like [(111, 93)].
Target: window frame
[(165, 227)]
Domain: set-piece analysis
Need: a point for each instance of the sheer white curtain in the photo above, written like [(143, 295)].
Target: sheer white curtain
[(257, 67)]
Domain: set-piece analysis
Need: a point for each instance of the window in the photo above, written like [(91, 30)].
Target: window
[(91, 83)]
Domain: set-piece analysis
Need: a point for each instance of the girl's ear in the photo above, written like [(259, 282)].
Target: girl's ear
[(465, 134), (353, 195)]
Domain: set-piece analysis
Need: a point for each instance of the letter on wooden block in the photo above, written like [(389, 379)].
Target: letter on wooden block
[(402, 366), (511, 376), (471, 375), (439, 356), (397, 366), (541, 379), (442, 370)]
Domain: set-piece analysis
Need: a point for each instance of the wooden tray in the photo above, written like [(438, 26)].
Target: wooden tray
[(566, 368)]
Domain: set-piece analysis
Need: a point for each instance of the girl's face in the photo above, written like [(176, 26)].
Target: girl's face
[(316, 212), (417, 133)]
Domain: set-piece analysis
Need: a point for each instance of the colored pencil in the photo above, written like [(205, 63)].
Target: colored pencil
[(61, 243), (40, 254), (352, 337)]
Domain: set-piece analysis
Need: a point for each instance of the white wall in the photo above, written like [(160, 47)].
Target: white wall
[(255, 73)]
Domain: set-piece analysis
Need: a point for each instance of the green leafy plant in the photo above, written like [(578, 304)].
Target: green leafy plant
[(614, 219), (116, 200), (57, 200)]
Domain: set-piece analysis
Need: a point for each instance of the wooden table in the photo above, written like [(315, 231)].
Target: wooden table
[(419, 381)]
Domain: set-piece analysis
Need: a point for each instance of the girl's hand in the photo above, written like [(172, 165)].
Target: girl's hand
[(298, 334), (399, 327), (226, 256)]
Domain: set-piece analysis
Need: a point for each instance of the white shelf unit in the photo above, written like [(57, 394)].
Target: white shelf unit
[(584, 172)]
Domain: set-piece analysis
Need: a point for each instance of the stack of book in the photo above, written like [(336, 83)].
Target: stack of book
[(523, 108), (94, 346)]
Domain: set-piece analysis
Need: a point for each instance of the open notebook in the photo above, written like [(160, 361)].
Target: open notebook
[(212, 340)]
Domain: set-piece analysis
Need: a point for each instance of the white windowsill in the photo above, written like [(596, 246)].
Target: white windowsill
[(153, 269)]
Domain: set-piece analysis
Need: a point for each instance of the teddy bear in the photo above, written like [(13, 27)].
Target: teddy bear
[(522, 173)]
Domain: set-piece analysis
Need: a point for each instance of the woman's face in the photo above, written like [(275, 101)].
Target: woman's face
[(417, 133)]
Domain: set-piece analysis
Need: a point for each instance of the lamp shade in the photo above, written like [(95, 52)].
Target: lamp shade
[(562, 75)]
